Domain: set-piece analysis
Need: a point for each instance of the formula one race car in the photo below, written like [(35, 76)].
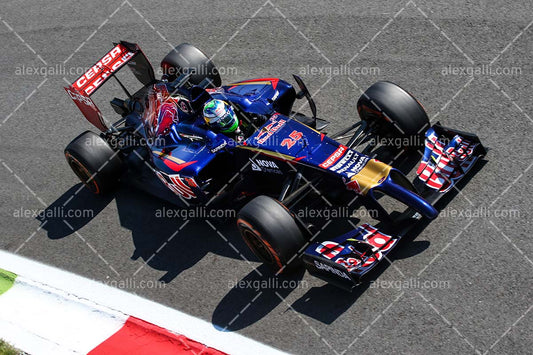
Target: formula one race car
[(273, 161)]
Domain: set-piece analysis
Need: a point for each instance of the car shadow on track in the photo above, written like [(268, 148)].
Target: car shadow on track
[(164, 242), (253, 297), (173, 244), (325, 303), (257, 294), (72, 211), (260, 292)]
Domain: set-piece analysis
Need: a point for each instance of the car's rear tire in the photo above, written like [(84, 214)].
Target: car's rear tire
[(95, 163), (271, 232), (187, 57), (392, 111)]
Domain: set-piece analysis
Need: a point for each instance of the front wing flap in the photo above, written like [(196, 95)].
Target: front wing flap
[(448, 156), (345, 259)]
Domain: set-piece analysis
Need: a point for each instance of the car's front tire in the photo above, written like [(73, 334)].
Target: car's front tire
[(392, 110), (271, 232)]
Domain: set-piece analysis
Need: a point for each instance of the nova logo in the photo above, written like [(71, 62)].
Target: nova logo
[(265, 165)]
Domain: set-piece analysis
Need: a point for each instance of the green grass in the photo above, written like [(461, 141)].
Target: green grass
[(6, 349), (6, 280)]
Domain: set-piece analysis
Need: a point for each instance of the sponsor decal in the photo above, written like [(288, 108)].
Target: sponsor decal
[(357, 257), (87, 107), (329, 249), (349, 263), (376, 239), (267, 131), (94, 77), (331, 269), (294, 137), (179, 185), (354, 186), (439, 166), (267, 166), (219, 147), (76, 96), (184, 106), (165, 118), (358, 166), (343, 161), (334, 157), (215, 90), (219, 111), (351, 164), (255, 167), (373, 259)]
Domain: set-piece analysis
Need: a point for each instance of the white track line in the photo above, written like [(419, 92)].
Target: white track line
[(42, 320), (117, 302)]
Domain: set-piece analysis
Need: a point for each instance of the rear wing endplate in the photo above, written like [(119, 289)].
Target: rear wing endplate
[(123, 53)]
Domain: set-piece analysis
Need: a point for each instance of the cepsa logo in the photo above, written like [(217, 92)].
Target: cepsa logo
[(332, 159), (109, 63)]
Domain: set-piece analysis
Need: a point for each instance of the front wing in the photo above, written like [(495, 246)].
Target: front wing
[(344, 260)]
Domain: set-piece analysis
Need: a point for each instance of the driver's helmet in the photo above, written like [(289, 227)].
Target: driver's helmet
[(220, 116)]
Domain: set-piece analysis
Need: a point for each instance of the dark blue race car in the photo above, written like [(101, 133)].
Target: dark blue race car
[(275, 162)]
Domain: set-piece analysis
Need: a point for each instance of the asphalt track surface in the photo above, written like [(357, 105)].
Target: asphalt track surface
[(479, 260)]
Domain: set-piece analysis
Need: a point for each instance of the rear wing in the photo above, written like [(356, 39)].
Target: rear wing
[(124, 53)]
